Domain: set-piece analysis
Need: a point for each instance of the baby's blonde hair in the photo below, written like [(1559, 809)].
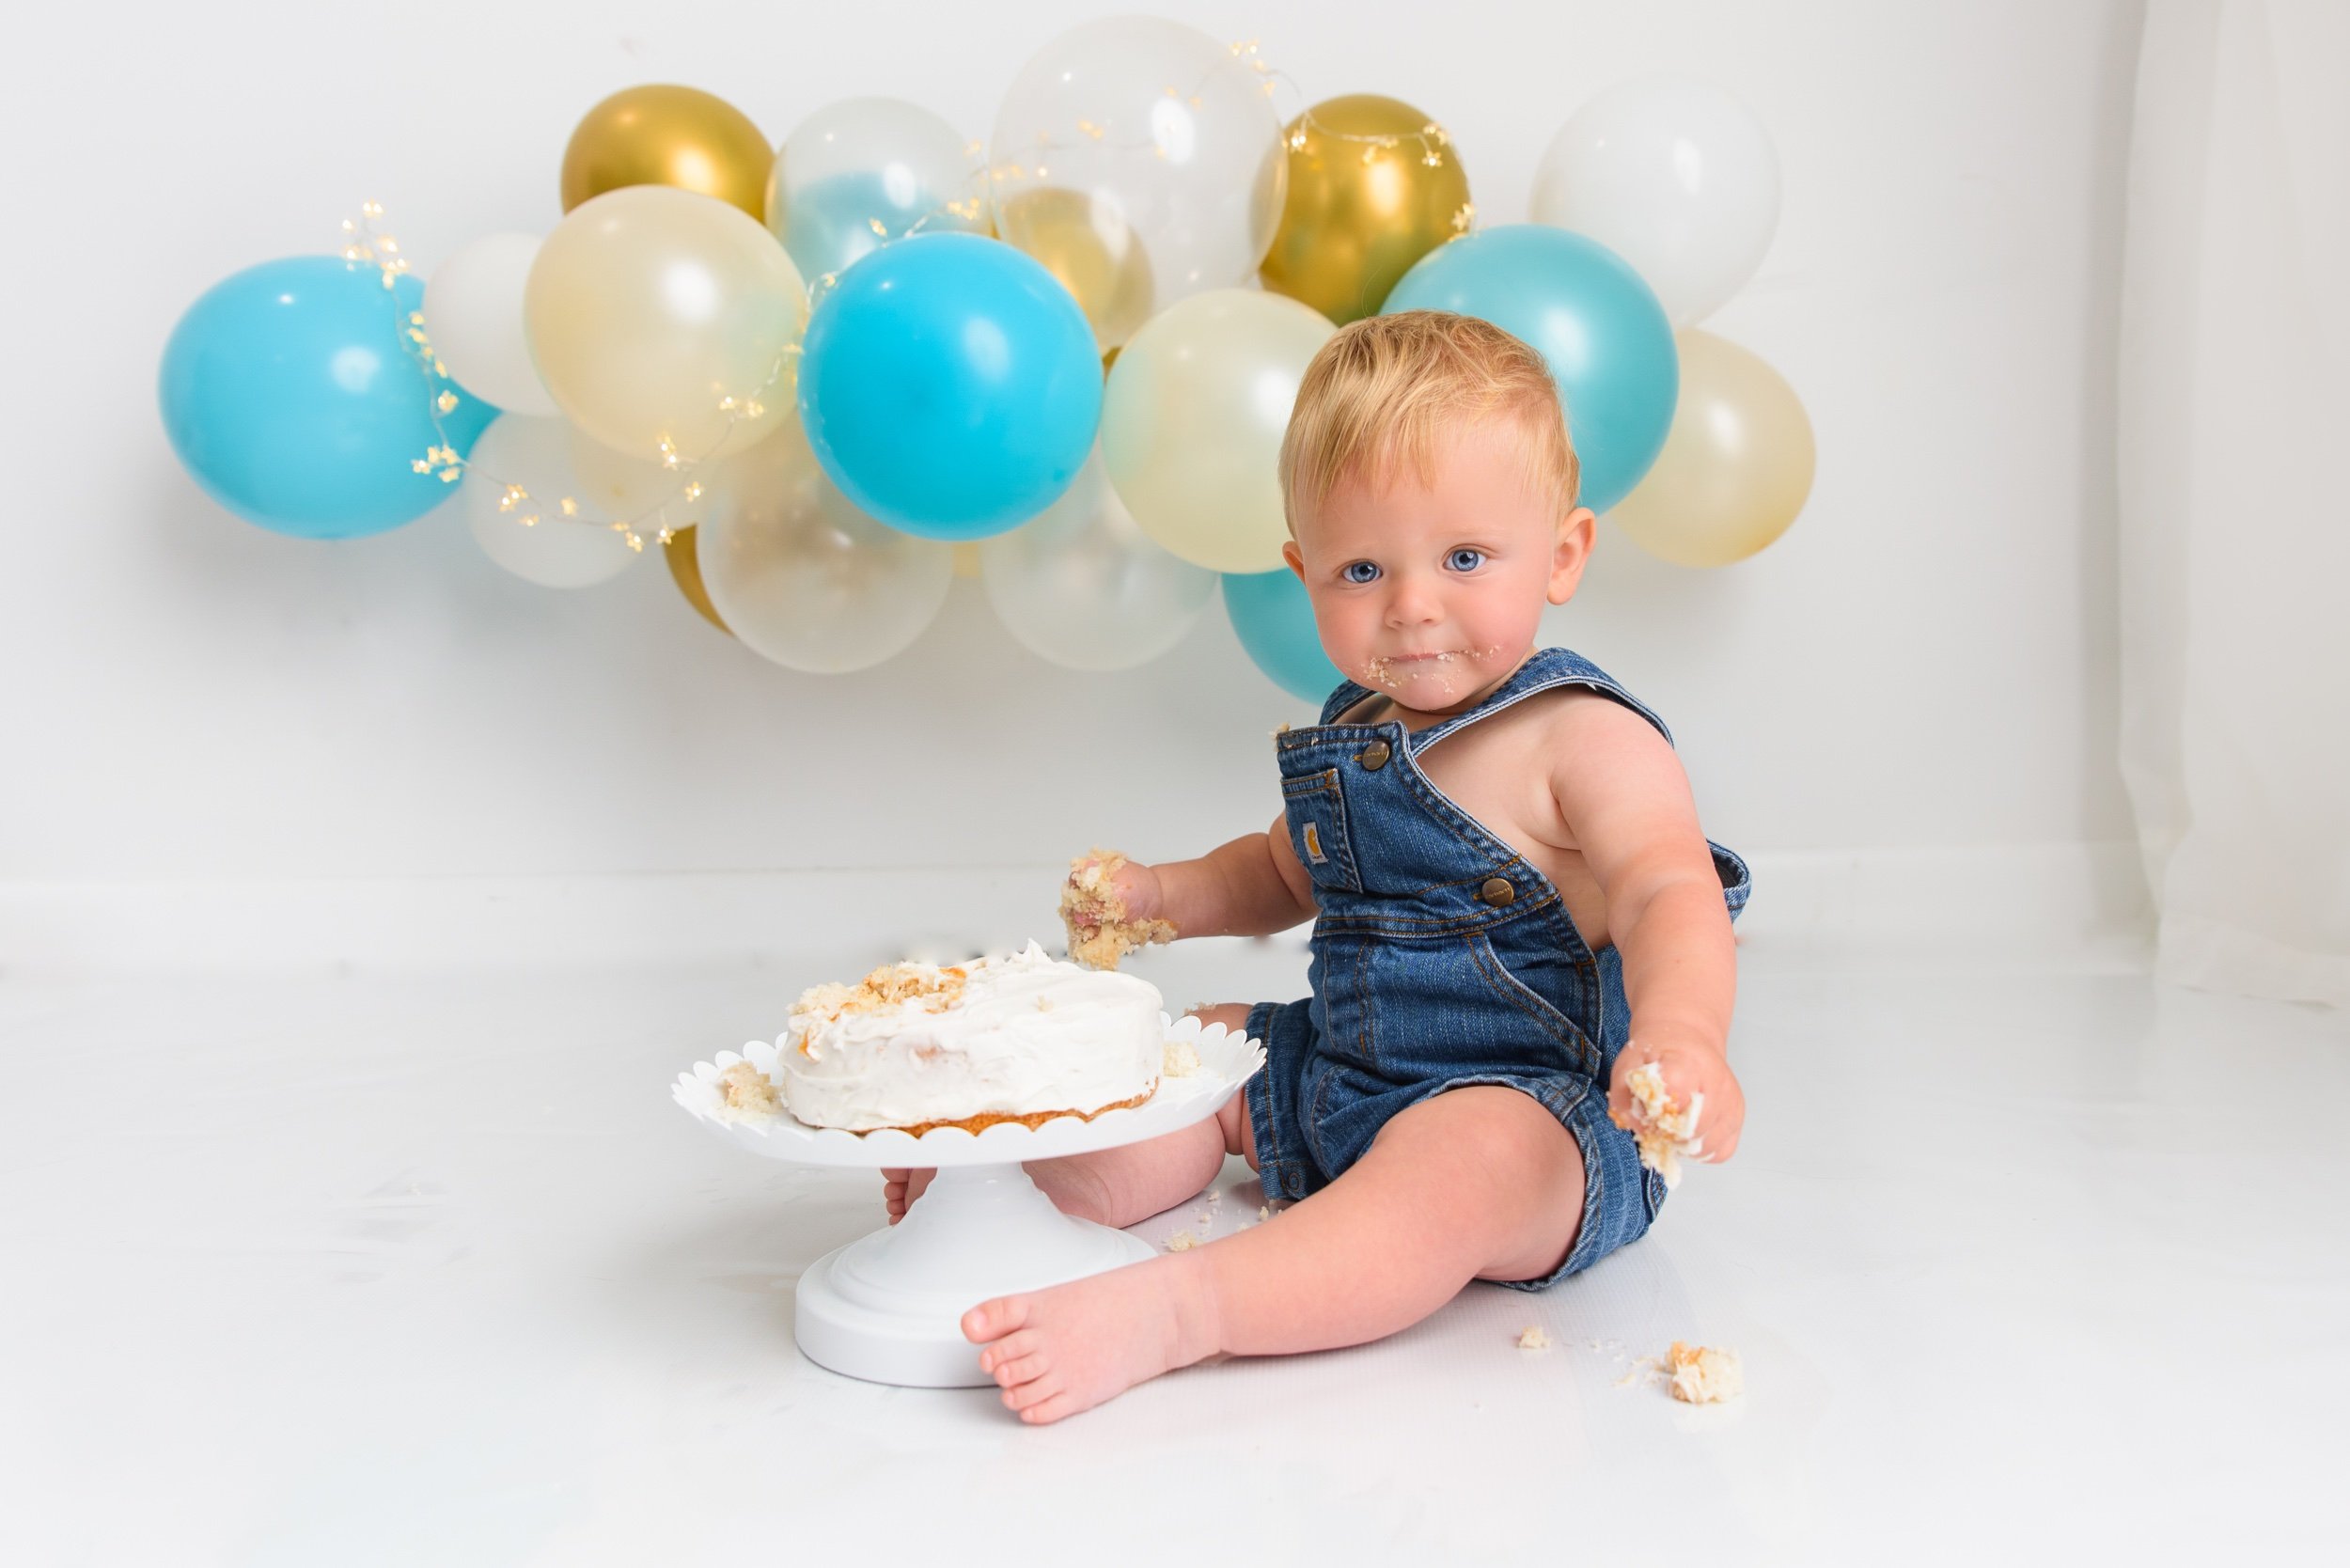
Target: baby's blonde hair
[(1388, 387)]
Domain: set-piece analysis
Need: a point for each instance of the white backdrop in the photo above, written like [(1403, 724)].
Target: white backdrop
[(1926, 662)]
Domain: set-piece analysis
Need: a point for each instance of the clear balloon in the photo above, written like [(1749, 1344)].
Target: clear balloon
[(476, 324), (659, 319), (532, 536), (801, 576), (288, 393), (855, 175), (1164, 135), (1087, 246), (1676, 177), (1083, 585), (1736, 468), (1193, 418)]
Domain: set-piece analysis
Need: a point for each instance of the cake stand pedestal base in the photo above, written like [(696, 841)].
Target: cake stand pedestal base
[(888, 1308)]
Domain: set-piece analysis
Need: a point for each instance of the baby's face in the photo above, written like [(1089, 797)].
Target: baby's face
[(1433, 594)]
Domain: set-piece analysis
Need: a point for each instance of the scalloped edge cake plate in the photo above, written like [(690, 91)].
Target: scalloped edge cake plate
[(1226, 1059)]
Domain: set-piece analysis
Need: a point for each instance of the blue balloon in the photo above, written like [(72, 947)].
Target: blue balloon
[(949, 385), (287, 393), (1608, 342), (1275, 623)]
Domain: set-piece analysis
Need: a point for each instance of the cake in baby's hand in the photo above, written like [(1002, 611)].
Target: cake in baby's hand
[(1017, 1037), (1102, 930), (1663, 1131)]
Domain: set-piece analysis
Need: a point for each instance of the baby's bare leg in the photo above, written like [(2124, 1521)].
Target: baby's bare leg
[(1480, 1182), (1124, 1185)]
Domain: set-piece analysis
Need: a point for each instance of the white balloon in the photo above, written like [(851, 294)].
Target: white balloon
[(557, 551), (1673, 175), (802, 577), (1081, 583), (472, 312), (1166, 134)]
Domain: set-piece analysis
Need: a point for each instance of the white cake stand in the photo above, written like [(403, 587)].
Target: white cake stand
[(888, 1307)]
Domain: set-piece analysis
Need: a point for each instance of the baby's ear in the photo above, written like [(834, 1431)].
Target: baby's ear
[(1577, 531), (1297, 562)]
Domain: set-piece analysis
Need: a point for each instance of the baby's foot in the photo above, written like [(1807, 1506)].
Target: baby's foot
[(1056, 1352), (900, 1187)]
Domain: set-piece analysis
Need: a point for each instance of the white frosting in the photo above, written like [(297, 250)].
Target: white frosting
[(1025, 1033)]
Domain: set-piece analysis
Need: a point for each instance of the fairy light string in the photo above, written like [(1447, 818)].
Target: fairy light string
[(367, 242)]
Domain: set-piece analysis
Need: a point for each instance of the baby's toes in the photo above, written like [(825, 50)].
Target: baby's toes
[(1011, 1347), (992, 1320), (1024, 1397), (1050, 1408)]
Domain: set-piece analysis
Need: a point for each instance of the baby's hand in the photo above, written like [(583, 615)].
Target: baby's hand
[(1111, 906), (1687, 1072)]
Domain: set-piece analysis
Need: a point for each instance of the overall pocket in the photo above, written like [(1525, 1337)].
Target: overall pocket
[(1317, 825)]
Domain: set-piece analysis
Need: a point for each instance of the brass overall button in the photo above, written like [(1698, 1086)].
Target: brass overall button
[(1497, 891), (1374, 756)]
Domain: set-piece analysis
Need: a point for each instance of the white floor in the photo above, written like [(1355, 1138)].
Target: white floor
[(2034, 1260)]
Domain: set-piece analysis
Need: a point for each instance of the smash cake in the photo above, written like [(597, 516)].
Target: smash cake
[(1014, 1037)]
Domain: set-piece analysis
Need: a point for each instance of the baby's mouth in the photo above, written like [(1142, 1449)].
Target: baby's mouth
[(1389, 669)]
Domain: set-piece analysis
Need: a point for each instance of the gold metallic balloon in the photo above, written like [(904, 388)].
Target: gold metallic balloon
[(1087, 245), (1736, 467), (1359, 212), (688, 572), (669, 135)]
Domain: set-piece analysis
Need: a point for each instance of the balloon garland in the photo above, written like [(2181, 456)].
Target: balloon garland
[(810, 370)]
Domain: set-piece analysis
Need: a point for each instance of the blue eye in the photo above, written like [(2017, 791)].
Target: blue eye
[(1358, 571), (1466, 559)]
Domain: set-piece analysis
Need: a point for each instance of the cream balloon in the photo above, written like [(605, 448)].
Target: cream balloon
[(1192, 422), (1081, 585), (533, 538), (472, 312), (800, 575), (658, 317), (1163, 133), (1736, 467), (1676, 177)]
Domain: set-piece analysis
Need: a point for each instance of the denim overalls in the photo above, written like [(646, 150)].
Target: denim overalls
[(1441, 958)]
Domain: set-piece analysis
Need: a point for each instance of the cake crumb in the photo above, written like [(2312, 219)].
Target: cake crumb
[(745, 1089), (1663, 1131), (1182, 1241), (1044, 1004), (1180, 1061), (1704, 1375), (1100, 931), (1264, 1212), (1533, 1338)]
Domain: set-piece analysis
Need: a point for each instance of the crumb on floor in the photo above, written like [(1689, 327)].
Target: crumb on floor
[(1533, 1338), (1182, 1241), (1704, 1375)]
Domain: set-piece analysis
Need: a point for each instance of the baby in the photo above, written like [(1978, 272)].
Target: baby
[(1513, 909)]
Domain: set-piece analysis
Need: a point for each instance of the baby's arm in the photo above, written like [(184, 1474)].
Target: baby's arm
[(1624, 796), (1249, 888)]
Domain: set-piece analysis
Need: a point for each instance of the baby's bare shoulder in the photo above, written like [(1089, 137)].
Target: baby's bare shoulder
[(1596, 750)]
